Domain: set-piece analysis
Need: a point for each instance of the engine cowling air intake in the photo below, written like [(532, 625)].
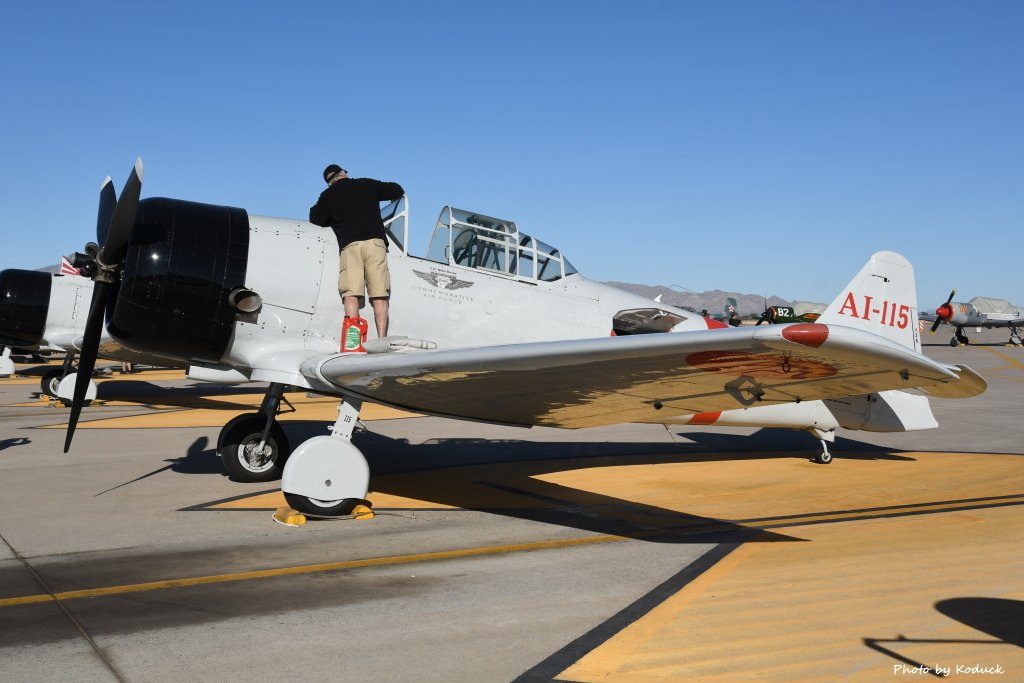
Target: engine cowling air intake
[(183, 261)]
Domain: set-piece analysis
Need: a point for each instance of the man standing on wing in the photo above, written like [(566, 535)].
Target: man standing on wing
[(351, 208)]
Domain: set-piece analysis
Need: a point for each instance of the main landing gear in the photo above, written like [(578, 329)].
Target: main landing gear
[(59, 383), (49, 385), (825, 438), (252, 446), (327, 475), (1014, 336), (959, 338)]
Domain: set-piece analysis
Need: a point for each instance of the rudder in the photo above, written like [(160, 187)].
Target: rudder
[(881, 299)]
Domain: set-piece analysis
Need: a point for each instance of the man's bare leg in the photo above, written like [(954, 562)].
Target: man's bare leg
[(381, 308), (351, 306)]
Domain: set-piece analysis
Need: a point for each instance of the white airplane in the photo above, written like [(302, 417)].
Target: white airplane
[(43, 312), (491, 325), (978, 312)]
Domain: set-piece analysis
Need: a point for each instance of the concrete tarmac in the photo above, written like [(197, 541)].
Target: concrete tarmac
[(619, 553)]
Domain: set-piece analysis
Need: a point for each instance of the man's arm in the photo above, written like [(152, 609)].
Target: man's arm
[(318, 214), (389, 191)]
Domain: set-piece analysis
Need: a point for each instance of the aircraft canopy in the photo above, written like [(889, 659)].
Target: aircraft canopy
[(474, 240), (984, 304)]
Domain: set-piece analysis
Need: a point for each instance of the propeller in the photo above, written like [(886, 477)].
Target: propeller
[(114, 222), (943, 312), (108, 200)]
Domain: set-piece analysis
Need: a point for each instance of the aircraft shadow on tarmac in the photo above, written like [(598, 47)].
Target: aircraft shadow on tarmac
[(999, 618), (504, 477), (144, 392), (17, 441)]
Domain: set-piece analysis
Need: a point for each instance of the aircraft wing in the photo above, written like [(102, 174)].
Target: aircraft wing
[(639, 378), (996, 321)]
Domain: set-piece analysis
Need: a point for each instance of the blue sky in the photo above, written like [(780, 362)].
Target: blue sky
[(760, 147)]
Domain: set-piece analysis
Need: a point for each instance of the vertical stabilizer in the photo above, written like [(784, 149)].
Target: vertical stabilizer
[(881, 299)]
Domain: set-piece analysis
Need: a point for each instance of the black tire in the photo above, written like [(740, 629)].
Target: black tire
[(231, 425), (236, 446), (328, 508), (823, 458), (50, 381)]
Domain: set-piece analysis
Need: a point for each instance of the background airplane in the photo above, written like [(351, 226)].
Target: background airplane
[(45, 313), (799, 312), (500, 328), (978, 312)]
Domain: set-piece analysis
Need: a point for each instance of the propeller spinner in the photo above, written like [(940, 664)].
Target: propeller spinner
[(943, 312), (114, 222)]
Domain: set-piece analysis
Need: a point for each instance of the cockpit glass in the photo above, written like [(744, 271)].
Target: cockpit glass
[(475, 240)]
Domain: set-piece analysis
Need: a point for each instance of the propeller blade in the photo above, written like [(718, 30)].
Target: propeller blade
[(108, 200), (120, 223), (942, 312), (123, 219), (87, 356)]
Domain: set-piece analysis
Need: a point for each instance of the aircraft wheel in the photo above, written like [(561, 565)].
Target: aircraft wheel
[(239, 449), (823, 458), (329, 508), (51, 381)]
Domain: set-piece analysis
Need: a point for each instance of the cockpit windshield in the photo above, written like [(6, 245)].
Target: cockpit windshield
[(474, 240)]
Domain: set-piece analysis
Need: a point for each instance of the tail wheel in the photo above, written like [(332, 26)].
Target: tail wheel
[(240, 451)]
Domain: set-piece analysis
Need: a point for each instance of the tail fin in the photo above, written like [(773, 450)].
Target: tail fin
[(882, 299)]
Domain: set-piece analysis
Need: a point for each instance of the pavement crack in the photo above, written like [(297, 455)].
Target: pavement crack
[(63, 608)]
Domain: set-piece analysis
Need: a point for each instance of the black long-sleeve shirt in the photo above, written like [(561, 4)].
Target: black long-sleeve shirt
[(351, 207)]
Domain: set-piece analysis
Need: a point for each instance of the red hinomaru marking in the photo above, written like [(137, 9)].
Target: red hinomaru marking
[(715, 324), (704, 418), (808, 334)]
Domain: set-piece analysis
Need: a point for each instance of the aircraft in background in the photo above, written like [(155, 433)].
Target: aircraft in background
[(500, 328), (44, 313), (799, 312), (978, 312)]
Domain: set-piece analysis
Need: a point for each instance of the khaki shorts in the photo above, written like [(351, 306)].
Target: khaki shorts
[(364, 269)]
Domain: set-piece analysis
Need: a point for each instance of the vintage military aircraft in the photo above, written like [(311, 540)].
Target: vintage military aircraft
[(500, 327), (978, 312), (799, 312), (44, 312)]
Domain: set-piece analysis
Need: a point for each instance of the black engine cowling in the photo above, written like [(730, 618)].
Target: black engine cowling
[(183, 261), (24, 304)]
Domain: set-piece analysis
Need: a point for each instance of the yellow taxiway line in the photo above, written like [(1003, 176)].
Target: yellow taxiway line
[(305, 569)]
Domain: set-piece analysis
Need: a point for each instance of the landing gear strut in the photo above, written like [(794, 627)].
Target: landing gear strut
[(1014, 336), (327, 475), (50, 382), (824, 457), (252, 446), (960, 338)]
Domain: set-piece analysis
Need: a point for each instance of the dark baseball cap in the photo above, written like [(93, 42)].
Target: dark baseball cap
[(331, 170)]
